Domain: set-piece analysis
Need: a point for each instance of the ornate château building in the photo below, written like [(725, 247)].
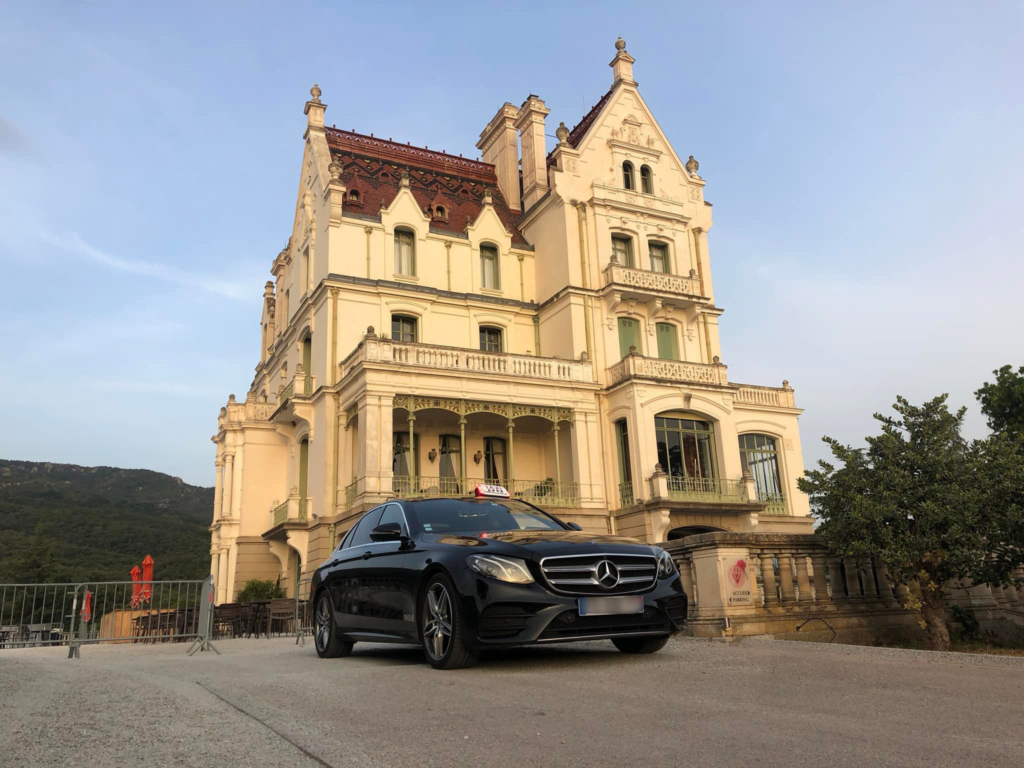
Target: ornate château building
[(544, 320)]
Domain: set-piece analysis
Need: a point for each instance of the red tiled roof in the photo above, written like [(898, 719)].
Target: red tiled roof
[(580, 130), (374, 166)]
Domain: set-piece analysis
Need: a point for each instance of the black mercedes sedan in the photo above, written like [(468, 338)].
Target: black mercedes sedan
[(459, 576)]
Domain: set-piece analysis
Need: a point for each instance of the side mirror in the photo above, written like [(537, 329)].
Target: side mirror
[(575, 526), (386, 532)]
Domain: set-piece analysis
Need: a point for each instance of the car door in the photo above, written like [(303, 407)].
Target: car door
[(347, 590), (387, 608)]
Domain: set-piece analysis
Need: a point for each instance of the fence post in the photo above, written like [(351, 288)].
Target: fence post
[(72, 643), (202, 642)]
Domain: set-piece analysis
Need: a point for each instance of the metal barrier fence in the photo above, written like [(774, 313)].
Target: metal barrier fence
[(303, 612), (106, 612)]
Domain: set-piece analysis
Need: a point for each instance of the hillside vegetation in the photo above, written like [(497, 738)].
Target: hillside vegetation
[(61, 522)]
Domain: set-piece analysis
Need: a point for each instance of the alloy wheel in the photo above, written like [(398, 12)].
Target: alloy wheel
[(322, 628), (437, 622)]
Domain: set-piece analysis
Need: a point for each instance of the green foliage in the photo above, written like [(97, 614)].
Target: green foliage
[(258, 589), (1003, 402), (60, 522), (970, 631), (929, 505)]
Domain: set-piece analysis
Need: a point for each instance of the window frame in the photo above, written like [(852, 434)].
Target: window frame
[(490, 252), (673, 336), (695, 432), (772, 453), (666, 258), (489, 452), (646, 180), (629, 261), (415, 322), (629, 176), (363, 520), (637, 339), (401, 235), (488, 329)]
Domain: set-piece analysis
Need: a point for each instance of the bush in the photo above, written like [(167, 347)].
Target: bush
[(258, 589)]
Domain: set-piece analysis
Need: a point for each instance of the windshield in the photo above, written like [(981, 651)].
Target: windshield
[(480, 516)]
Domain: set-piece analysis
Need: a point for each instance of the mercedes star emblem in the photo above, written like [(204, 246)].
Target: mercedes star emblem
[(607, 574)]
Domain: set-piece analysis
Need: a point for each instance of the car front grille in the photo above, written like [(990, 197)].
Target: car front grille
[(580, 574), (569, 624)]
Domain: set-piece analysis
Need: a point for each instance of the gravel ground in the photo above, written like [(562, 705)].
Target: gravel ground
[(271, 703)]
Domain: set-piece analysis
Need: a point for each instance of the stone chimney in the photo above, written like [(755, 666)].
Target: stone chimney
[(499, 144), (622, 64), (530, 123)]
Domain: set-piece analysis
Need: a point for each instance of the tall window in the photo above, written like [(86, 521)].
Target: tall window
[(303, 469), (625, 469), (403, 328), (450, 467), (489, 277), (686, 448), (622, 248), (659, 257), (629, 335), (307, 362), (668, 347), (494, 460), (490, 339), (646, 180), (305, 269), (405, 461), (628, 176), (405, 252), (759, 455)]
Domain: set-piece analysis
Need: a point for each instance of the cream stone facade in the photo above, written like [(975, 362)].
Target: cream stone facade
[(546, 320)]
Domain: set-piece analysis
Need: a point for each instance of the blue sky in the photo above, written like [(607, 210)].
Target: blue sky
[(865, 161)]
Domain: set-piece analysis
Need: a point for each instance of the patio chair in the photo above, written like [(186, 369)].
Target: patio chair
[(228, 618), (282, 611)]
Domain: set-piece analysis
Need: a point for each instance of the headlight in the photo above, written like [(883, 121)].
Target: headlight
[(666, 565), (501, 568)]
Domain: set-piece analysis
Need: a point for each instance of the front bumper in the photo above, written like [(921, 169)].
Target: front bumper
[(497, 614)]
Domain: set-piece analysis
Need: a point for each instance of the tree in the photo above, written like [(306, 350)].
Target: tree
[(258, 589), (926, 503), (1003, 401)]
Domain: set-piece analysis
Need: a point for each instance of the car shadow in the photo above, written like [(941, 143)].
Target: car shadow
[(521, 658)]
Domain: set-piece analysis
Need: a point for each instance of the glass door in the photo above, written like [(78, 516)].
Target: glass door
[(450, 468)]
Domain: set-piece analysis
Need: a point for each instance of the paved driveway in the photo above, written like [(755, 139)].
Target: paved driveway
[(697, 703)]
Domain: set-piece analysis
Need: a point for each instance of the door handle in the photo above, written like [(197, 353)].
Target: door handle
[(333, 563), (367, 555)]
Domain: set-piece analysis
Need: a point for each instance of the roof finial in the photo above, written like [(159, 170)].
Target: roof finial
[(562, 133), (315, 93), (692, 166), (620, 44)]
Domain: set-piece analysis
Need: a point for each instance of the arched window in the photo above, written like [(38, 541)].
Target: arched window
[(686, 452), (759, 456), (439, 212), (490, 339), (628, 179), (353, 195), (489, 272), (646, 180), (625, 469), (405, 252), (403, 328)]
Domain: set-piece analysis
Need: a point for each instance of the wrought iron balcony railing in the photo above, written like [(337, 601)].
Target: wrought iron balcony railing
[(543, 493), (706, 489)]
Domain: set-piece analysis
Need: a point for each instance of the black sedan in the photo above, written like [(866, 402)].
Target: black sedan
[(459, 576)]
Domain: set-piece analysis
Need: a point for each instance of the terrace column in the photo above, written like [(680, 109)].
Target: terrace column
[(229, 481), (511, 454), (214, 565), (412, 446), (558, 465), (462, 450), (222, 581), (771, 595), (218, 490)]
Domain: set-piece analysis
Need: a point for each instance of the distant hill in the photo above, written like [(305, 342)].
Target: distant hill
[(61, 522)]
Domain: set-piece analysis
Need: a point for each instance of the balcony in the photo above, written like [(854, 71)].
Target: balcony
[(293, 510), (635, 366), (543, 493), (707, 489), (645, 281), (769, 397), (374, 349)]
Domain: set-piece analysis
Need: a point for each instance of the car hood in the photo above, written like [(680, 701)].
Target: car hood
[(536, 544)]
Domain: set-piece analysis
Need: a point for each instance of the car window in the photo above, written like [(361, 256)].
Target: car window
[(367, 524), (480, 515), (348, 537), (393, 514)]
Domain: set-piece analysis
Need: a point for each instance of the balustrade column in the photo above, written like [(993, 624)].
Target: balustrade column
[(786, 577), (558, 464), (870, 589), (888, 598), (802, 580), (820, 582), (902, 595), (852, 579), (771, 595), (835, 577)]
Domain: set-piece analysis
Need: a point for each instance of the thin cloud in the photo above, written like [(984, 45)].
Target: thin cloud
[(73, 243)]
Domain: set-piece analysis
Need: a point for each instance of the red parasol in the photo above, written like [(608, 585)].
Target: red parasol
[(87, 607), (136, 586), (147, 578)]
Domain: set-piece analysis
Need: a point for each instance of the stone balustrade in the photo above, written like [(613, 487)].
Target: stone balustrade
[(774, 397), (649, 281), (637, 366), (375, 349)]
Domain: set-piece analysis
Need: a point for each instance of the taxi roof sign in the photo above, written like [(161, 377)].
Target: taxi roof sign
[(493, 491)]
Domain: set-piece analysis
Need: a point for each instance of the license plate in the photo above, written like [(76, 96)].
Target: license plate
[(607, 606)]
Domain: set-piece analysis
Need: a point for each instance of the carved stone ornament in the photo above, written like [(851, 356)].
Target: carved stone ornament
[(315, 93), (335, 168), (694, 194), (692, 166), (562, 133), (620, 44), (571, 164)]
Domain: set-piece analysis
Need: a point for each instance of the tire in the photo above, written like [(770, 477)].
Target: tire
[(325, 632), (441, 629), (640, 644)]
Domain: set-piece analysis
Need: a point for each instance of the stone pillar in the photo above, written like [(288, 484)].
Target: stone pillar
[(786, 577), (558, 463), (802, 580), (771, 595), (870, 590), (462, 451), (511, 457), (222, 582), (852, 579), (412, 452), (215, 565), (229, 482), (719, 594), (659, 483), (530, 124), (835, 577), (821, 596), (686, 575), (886, 593), (218, 489)]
